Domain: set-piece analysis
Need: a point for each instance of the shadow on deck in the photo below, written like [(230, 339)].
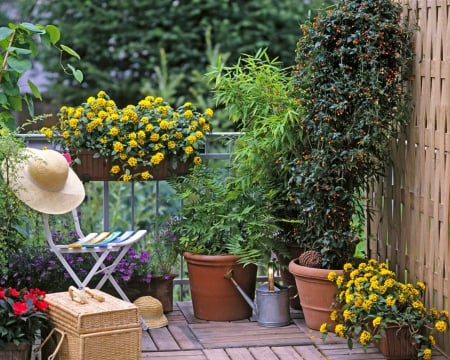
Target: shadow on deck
[(189, 338)]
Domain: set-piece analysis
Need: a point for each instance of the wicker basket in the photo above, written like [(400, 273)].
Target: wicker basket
[(95, 330)]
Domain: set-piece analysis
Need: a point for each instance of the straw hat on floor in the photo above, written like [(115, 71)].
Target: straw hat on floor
[(151, 311)]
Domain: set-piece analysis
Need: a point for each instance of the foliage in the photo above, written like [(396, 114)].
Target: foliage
[(18, 43), (372, 299), (130, 54), (257, 93), (220, 217), (22, 315), (135, 136), (352, 63)]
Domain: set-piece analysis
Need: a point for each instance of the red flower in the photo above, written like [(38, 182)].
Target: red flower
[(41, 305), (14, 292), (20, 308), (2, 294)]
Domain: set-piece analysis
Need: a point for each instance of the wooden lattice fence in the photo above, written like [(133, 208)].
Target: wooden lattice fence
[(410, 226)]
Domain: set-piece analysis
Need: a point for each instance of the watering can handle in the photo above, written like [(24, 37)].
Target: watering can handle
[(271, 277)]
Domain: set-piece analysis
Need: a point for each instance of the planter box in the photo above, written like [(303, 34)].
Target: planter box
[(398, 344), (97, 169)]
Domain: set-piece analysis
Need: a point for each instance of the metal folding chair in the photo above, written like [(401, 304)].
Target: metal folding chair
[(99, 246)]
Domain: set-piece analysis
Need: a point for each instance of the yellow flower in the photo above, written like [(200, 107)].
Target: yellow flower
[(197, 160), (188, 150), (171, 144), (188, 114), (133, 143), (323, 328), (132, 161), (440, 326), (332, 276), (365, 337), (432, 340), (347, 267), (118, 147), (209, 112), (339, 330), (333, 315), (164, 124), (115, 169), (154, 137), (114, 131), (126, 177), (377, 321), (145, 175), (427, 354)]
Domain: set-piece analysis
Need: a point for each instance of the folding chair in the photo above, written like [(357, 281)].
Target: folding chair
[(99, 246)]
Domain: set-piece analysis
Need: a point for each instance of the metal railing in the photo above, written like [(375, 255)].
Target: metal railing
[(218, 148)]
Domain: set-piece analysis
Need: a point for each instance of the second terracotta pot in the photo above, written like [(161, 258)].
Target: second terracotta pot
[(317, 294), (214, 297)]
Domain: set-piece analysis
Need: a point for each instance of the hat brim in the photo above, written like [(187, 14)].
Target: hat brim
[(70, 196)]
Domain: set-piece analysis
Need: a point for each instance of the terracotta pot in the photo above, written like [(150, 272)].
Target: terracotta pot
[(97, 169), (214, 297), (398, 344), (15, 352), (317, 294)]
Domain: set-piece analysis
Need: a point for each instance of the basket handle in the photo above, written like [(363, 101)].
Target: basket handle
[(41, 345), (91, 293), (76, 295)]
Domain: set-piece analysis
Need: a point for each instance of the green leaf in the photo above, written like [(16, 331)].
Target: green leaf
[(5, 33), (30, 105), (70, 51), (34, 89), (77, 74), (53, 33), (38, 29), (16, 102), (19, 65), (17, 50)]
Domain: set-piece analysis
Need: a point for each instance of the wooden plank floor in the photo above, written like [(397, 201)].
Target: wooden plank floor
[(191, 339)]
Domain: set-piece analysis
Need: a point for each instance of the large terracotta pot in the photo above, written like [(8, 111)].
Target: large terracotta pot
[(214, 297), (316, 292)]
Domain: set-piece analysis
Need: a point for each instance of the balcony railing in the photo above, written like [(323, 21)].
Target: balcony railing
[(218, 149)]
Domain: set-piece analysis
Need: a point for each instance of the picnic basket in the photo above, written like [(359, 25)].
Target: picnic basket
[(107, 329)]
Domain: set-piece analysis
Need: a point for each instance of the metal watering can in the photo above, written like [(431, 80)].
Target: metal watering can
[(271, 306)]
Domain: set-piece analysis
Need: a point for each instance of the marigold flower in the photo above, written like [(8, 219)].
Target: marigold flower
[(323, 328), (440, 326)]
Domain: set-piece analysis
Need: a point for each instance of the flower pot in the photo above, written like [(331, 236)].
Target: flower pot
[(11, 351), (316, 292), (214, 297), (97, 169), (398, 344)]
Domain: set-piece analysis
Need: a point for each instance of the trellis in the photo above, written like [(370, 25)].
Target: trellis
[(410, 223)]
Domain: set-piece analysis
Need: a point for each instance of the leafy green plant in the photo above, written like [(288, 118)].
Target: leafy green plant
[(19, 42), (352, 67), (257, 93), (371, 299), (220, 217)]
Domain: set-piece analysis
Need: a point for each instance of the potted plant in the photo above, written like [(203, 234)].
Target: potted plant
[(375, 307), (132, 143), (22, 318), (352, 66), (222, 228), (258, 95)]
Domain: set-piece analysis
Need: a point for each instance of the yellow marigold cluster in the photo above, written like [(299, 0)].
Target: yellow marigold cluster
[(137, 137), (370, 298)]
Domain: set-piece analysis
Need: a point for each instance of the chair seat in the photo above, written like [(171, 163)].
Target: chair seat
[(99, 245)]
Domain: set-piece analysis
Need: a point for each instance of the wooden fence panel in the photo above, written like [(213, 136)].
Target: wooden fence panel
[(410, 223)]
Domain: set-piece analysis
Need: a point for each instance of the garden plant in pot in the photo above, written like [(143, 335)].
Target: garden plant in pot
[(222, 228), (257, 94), (374, 307), (352, 66), (149, 140)]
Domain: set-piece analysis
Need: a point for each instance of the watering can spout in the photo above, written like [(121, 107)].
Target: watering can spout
[(229, 275)]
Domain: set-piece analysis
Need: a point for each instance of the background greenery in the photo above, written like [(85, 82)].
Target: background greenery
[(129, 47)]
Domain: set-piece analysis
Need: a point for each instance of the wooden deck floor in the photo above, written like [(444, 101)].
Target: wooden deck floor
[(191, 339)]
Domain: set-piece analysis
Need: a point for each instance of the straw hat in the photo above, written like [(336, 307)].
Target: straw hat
[(151, 311), (43, 180)]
